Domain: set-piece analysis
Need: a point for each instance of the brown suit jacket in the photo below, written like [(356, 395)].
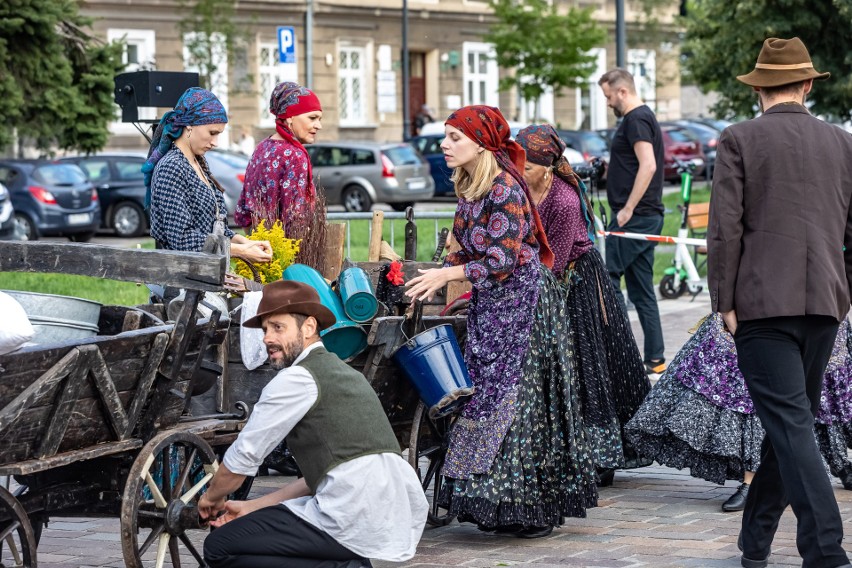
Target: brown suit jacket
[(780, 217)]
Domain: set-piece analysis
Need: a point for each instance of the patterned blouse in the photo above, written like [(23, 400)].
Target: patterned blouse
[(277, 187), (495, 233), (562, 217), (183, 208)]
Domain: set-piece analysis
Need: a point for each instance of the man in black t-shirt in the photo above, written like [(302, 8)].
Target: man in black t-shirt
[(634, 191)]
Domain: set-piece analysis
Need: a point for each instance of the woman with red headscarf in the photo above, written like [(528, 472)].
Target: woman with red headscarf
[(518, 460), (279, 184)]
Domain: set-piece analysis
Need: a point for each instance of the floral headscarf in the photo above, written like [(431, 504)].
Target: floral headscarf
[(196, 106), (488, 127), (288, 100)]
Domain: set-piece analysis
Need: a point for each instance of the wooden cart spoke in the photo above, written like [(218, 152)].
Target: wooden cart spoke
[(191, 548), (152, 536), (181, 482), (17, 540)]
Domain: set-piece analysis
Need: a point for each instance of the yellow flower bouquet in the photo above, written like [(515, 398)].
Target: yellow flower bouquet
[(284, 252)]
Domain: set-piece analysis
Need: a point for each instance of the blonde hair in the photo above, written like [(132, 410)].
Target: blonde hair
[(474, 187)]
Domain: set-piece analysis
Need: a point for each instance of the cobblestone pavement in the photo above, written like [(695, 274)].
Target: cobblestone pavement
[(650, 517)]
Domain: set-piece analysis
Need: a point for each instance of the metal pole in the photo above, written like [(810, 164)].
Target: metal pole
[(406, 110), (620, 35), (309, 44)]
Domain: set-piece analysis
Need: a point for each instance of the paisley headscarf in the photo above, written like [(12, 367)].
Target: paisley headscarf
[(545, 148), (290, 99), (196, 106), (488, 127)]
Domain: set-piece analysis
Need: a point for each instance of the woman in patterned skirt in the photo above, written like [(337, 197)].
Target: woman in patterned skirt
[(613, 382), (700, 416), (518, 459)]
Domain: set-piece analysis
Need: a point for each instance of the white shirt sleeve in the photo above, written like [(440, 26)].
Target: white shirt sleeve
[(283, 403)]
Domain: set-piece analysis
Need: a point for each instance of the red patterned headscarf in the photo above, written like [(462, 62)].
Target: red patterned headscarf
[(487, 127), (288, 100)]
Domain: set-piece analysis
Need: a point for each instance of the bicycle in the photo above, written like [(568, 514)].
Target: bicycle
[(682, 276)]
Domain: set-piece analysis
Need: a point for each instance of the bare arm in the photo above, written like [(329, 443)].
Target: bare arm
[(647, 168)]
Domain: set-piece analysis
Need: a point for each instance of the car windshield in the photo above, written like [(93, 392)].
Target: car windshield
[(233, 159), (595, 143), (678, 135), (403, 155), (59, 174)]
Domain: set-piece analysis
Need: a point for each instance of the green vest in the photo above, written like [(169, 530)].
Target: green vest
[(346, 422)]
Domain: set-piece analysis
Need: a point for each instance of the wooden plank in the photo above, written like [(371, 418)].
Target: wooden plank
[(375, 247), (456, 289), (143, 389), (13, 411), (65, 404), (62, 459), (132, 320), (193, 270), (105, 386), (334, 242)]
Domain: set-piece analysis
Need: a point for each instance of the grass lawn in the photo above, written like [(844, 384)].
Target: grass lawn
[(129, 293)]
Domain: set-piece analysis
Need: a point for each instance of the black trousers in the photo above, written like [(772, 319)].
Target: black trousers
[(634, 260), (274, 537), (783, 360)]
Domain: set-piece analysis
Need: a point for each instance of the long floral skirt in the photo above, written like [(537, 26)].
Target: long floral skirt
[(612, 377), (699, 414), (543, 469)]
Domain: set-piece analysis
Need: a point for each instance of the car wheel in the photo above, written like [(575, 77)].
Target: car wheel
[(27, 226), (355, 199), (402, 206), (81, 237), (128, 219)]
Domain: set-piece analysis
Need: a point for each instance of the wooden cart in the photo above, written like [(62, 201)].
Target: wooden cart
[(98, 427)]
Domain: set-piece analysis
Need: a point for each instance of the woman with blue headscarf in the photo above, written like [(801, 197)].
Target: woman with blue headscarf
[(612, 377), (186, 203)]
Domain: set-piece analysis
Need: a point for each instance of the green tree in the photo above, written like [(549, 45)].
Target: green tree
[(545, 48), (212, 37), (723, 39), (56, 80)]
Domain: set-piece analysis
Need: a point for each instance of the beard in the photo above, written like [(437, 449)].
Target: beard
[(617, 112), (289, 353)]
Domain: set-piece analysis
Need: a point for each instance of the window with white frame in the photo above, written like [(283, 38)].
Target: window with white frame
[(139, 54), (270, 72), (642, 64), (481, 76), (352, 85)]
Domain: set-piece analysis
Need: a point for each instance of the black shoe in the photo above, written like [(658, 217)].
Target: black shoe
[(737, 501), (656, 367), (519, 531), (605, 477), (846, 478), (750, 562)]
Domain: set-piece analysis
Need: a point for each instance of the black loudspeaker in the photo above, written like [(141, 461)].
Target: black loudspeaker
[(150, 89)]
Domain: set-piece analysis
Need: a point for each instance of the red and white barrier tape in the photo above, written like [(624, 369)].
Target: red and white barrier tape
[(655, 238)]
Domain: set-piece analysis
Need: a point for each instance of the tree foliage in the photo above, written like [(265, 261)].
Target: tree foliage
[(544, 47), (723, 39), (56, 80)]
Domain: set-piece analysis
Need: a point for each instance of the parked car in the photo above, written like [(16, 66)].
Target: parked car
[(229, 169), (679, 142), (52, 198), (358, 174), (591, 145), (119, 181), (709, 138), (719, 124), (7, 215)]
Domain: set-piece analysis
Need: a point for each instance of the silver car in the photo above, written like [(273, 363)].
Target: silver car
[(358, 174)]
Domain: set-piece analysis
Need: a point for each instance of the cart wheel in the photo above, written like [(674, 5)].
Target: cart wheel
[(668, 290), (159, 503), (17, 540), (428, 447)]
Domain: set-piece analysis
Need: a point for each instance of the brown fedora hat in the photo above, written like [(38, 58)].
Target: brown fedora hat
[(781, 62), (291, 297)]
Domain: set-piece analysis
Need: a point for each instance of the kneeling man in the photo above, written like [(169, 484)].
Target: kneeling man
[(359, 499)]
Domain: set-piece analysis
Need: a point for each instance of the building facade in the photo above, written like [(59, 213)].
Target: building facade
[(353, 62)]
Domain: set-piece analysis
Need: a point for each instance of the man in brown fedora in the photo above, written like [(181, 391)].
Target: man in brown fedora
[(779, 271), (358, 499)]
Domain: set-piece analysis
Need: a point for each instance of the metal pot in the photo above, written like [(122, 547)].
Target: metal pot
[(59, 318)]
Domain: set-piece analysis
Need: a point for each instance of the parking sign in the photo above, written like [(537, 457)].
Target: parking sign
[(286, 44)]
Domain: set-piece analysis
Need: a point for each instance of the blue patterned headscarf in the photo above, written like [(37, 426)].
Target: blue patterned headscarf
[(195, 107)]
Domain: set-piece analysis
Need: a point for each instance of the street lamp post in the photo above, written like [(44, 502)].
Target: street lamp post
[(406, 110), (620, 34)]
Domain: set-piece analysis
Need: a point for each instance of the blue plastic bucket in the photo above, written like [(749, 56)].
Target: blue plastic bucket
[(433, 362), (345, 338), (356, 292)]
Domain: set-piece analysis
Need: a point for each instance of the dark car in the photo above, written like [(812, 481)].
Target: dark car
[(229, 169), (709, 138), (7, 215), (588, 142), (358, 174), (119, 181), (430, 147), (679, 143), (52, 199)]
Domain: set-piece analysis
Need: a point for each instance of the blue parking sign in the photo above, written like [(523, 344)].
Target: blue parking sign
[(286, 44)]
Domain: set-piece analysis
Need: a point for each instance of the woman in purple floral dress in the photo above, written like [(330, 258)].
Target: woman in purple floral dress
[(612, 377), (700, 416), (279, 182), (518, 459)]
